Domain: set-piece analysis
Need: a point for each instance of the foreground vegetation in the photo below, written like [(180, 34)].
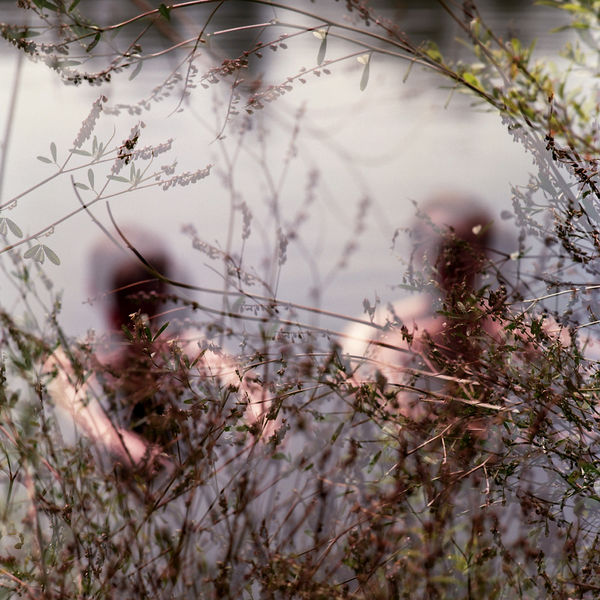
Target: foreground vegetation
[(334, 491)]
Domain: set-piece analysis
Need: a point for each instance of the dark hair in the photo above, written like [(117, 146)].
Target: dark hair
[(144, 406), (135, 289), (461, 230), (462, 252)]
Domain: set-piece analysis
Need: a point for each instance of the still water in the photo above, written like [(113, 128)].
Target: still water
[(333, 168)]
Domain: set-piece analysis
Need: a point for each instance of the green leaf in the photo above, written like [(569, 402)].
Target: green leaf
[(472, 80), (80, 152), (410, 66), (81, 30), (91, 178), (433, 52), (81, 186), (337, 432), (46, 4), (364, 80), (73, 5), (572, 7), (270, 330), (33, 252), (157, 334), (373, 461), (561, 28), (118, 178), (322, 51), (165, 12), (14, 227), (136, 71), (67, 63), (28, 33), (53, 151), (94, 42), (237, 305), (44, 159), (52, 257)]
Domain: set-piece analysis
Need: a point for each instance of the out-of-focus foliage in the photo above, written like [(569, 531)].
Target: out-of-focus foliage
[(490, 490)]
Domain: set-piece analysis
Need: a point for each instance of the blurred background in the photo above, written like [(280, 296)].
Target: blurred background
[(330, 169)]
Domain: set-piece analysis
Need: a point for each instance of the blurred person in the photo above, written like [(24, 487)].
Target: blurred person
[(427, 344), (132, 405), (444, 370)]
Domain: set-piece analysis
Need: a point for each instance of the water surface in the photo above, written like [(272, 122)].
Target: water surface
[(374, 153)]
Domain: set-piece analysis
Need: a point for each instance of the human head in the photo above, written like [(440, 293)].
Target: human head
[(134, 289), (121, 284), (454, 234)]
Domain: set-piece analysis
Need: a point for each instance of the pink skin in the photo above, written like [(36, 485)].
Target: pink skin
[(88, 416), (80, 401), (454, 244), (456, 257)]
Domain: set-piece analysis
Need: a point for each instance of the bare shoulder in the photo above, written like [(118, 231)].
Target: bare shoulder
[(412, 311), (411, 308)]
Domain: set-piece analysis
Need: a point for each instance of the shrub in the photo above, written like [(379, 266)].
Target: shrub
[(331, 488)]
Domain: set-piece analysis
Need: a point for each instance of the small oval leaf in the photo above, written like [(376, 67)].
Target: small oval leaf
[(237, 305), (52, 257), (160, 331), (61, 64), (44, 159), (136, 71), (94, 42), (53, 151), (472, 81), (364, 80), (433, 52), (14, 228), (322, 51), (45, 4), (32, 251)]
